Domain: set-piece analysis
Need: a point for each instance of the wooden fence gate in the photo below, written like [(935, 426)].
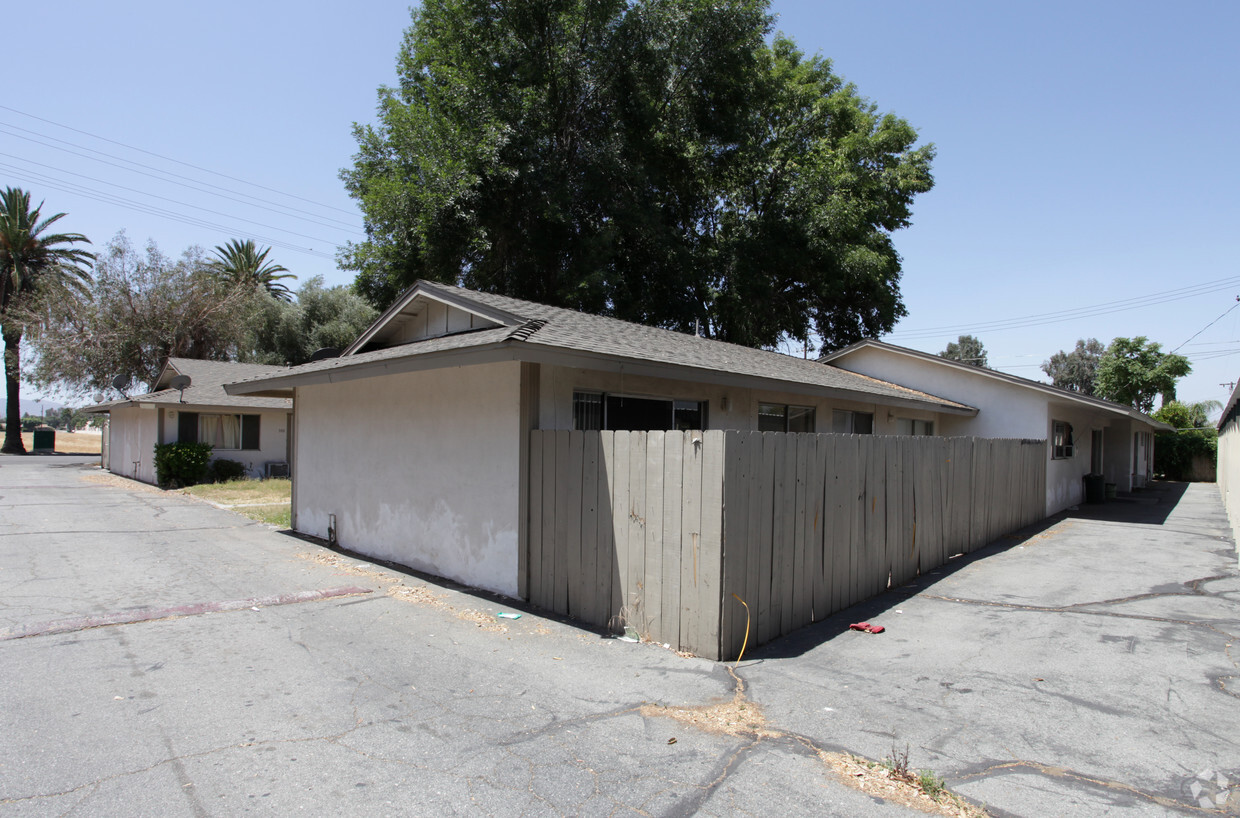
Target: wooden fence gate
[(658, 530)]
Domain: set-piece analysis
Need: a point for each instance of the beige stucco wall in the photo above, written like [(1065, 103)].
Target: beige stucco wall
[(727, 407), (420, 468), (272, 436), (131, 443), (1229, 472)]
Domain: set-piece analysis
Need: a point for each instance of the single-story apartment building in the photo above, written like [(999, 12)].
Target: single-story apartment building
[(250, 430), (412, 446), (1087, 435)]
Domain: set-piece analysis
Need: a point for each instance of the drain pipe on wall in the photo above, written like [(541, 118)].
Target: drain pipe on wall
[(331, 529)]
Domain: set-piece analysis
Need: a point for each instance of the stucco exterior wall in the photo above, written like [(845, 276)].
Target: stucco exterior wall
[(727, 407), (1229, 472), (1008, 410), (1004, 410), (1064, 484), (131, 443), (272, 436), (420, 468)]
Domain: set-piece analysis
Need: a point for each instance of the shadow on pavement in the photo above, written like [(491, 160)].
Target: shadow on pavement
[(1148, 506)]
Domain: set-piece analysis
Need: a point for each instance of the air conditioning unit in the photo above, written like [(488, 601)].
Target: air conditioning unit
[(276, 468)]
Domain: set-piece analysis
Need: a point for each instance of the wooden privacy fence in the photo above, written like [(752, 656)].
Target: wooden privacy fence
[(658, 530)]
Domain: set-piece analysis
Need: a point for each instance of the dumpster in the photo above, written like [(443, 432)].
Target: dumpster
[(44, 440), (1095, 488)]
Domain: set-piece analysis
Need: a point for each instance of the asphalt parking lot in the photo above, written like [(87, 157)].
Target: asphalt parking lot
[(160, 656)]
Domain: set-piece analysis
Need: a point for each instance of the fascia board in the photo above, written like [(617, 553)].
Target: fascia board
[(467, 356)]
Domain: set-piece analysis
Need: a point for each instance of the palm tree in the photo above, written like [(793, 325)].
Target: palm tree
[(30, 258), (241, 262)]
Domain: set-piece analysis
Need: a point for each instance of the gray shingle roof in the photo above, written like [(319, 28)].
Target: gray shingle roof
[(562, 329), (206, 387)]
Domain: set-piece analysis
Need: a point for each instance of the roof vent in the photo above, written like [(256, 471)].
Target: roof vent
[(523, 332)]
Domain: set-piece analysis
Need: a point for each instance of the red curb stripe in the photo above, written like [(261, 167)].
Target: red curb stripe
[(81, 623)]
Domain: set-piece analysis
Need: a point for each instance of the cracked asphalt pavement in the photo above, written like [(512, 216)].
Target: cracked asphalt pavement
[(162, 656)]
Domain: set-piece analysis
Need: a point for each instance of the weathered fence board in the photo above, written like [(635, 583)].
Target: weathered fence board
[(667, 532)]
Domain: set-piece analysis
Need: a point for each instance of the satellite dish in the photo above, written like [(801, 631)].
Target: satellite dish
[(99, 397), (323, 354), (119, 383), (180, 383)]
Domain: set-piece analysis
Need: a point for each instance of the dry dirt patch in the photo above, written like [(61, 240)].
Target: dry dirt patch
[(416, 594), (69, 442)]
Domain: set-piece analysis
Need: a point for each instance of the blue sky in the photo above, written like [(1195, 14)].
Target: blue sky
[(1085, 171)]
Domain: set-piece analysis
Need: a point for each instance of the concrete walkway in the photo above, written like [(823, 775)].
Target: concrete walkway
[(159, 656), (1088, 668)]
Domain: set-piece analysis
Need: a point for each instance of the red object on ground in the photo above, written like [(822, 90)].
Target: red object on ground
[(867, 627)]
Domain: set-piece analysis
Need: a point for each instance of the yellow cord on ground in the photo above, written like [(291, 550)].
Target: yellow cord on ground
[(746, 642)]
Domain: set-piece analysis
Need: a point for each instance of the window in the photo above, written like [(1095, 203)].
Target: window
[(845, 422), (239, 432), (595, 411), (778, 417), (1061, 440), (912, 426)]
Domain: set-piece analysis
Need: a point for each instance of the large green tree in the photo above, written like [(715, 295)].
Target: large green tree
[(31, 259), (967, 349), (1134, 371), (241, 262), (141, 308), (656, 160), (1078, 369), (321, 317), (1194, 439)]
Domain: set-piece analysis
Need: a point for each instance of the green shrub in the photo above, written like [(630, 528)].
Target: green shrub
[(223, 470), (181, 464)]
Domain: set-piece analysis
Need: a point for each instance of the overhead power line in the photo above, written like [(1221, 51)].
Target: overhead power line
[(174, 161), (1212, 323), (106, 198), (1106, 308), (174, 201), (183, 181)]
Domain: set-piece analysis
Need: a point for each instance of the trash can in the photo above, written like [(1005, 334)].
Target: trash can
[(1112, 491), (44, 440), (1095, 488)]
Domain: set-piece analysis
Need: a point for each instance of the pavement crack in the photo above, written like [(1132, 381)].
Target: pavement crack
[(1065, 774)]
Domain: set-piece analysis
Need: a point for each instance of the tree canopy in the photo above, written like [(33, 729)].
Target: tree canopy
[(241, 262), (1134, 371), (1194, 438), (966, 349), (655, 160), (289, 333), (1078, 369), (32, 260), (142, 308)]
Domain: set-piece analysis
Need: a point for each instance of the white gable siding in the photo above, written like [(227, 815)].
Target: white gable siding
[(419, 468), (433, 319)]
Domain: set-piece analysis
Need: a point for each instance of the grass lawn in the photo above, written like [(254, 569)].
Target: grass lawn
[(70, 442), (268, 501)]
